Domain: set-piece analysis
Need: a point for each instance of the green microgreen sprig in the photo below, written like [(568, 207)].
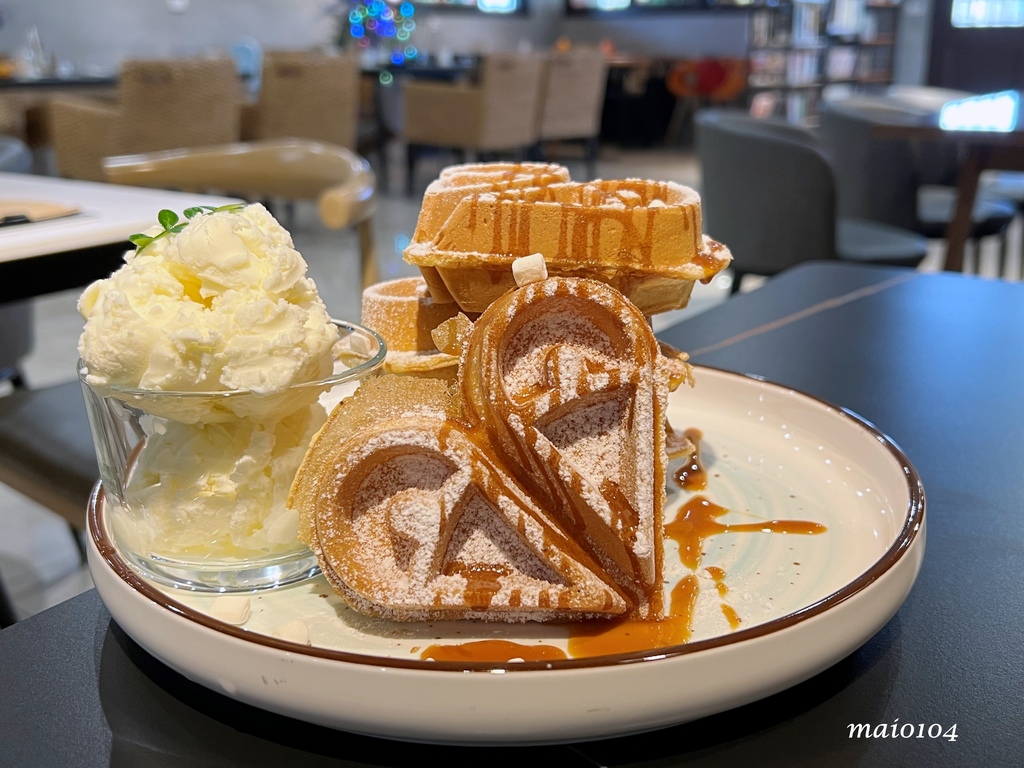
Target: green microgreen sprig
[(173, 225)]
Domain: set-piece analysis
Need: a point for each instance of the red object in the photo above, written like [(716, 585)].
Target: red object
[(717, 79)]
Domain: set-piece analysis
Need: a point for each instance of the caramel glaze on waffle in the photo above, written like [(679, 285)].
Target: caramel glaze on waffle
[(642, 237), (412, 519), (534, 491), (566, 379)]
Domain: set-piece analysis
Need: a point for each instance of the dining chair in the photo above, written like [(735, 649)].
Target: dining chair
[(17, 331), (879, 179), (498, 115), (769, 192), (161, 104), (306, 95), (573, 97), (15, 156), (17, 337), (338, 180), (46, 451), (47, 455)]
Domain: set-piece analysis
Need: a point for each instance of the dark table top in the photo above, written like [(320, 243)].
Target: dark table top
[(936, 361), (58, 83)]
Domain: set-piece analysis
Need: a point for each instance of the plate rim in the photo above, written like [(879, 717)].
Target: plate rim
[(912, 525)]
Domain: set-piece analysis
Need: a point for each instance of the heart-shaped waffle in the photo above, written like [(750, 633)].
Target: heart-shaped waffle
[(410, 519), (642, 237), (565, 379)]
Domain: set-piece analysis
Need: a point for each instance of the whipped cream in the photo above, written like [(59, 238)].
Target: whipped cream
[(223, 305)]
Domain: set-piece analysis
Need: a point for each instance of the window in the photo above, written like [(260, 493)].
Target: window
[(988, 13), (600, 6), (486, 6)]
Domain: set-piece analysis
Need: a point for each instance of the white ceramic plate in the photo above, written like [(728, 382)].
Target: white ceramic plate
[(803, 601)]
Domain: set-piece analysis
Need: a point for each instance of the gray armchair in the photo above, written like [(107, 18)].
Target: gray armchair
[(881, 179), (16, 329), (769, 193)]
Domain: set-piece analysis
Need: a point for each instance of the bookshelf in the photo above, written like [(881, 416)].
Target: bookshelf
[(798, 47)]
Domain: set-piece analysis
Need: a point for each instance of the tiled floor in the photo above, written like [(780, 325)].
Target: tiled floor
[(38, 559)]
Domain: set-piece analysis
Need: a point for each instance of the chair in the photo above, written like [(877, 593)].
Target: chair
[(15, 156), (46, 454), (17, 332), (160, 105), (769, 193), (573, 97), (340, 181), (701, 83), (46, 450), (17, 336), (879, 179), (313, 95), (306, 95), (498, 115)]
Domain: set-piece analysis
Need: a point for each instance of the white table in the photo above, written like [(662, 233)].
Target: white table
[(54, 255)]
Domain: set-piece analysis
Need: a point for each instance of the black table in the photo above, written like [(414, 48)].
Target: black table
[(980, 150), (58, 83), (935, 360)]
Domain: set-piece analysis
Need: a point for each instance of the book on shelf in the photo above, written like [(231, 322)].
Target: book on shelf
[(841, 63), (765, 104)]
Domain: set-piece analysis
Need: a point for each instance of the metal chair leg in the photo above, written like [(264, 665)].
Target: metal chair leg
[(7, 617), (367, 253), (76, 536)]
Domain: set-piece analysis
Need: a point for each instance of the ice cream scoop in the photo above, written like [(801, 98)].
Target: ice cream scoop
[(204, 359), (223, 304)]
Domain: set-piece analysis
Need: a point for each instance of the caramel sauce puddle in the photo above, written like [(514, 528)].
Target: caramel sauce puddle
[(691, 475), (492, 650), (587, 640), (695, 521)]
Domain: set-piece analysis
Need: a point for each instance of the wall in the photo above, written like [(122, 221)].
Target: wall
[(690, 34), (97, 34)]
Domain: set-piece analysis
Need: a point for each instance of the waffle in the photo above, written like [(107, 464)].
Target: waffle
[(405, 315), (566, 379), (532, 491), (644, 238), (458, 181), (412, 520)]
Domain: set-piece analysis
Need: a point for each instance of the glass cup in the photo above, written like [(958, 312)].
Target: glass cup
[(197, 483)]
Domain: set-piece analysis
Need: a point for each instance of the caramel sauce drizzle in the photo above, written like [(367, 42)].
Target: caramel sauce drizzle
[(691, 475), (588, 640), (697, 519), (718, 576), (492, 650), (580, 230), (482, 581)]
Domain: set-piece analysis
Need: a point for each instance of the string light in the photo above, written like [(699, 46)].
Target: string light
[(374, 21)]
